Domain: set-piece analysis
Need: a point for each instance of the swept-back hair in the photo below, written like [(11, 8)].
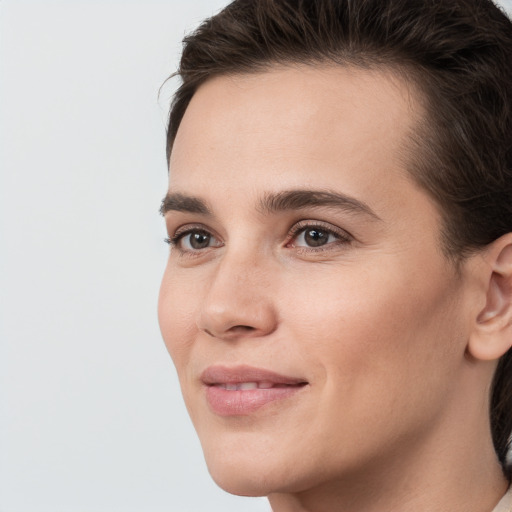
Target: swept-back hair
[(456, 53)]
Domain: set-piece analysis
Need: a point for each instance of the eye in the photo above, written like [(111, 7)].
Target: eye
[(193, 240), (316, 236), (196, 240)]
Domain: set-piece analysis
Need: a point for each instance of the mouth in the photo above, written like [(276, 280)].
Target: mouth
[(244, 386), (242, 390)]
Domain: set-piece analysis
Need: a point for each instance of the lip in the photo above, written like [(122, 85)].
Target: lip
[(225, 399)]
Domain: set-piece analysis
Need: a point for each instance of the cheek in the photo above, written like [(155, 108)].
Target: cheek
[(376, 338), (382, 306), (377, 345), (176, 314)]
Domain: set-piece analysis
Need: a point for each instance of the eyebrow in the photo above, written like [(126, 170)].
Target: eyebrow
[(184, 203), (302, 199), (273, 202)]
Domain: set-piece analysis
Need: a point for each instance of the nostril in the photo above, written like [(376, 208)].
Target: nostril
[(236, 329), (229, 313), (242, 328)]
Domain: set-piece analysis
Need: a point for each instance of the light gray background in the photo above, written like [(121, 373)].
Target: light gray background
[(91, 417)]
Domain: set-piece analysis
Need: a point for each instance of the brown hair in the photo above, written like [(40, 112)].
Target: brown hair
[(456, 52)]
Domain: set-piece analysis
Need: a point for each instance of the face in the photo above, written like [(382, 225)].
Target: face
[(306, 302)]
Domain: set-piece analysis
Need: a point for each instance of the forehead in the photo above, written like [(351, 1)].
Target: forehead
[(295, 127)]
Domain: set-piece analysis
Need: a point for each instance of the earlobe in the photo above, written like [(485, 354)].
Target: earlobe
[(492, 333)]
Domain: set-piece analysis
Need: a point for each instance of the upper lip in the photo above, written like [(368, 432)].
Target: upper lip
[(237, 374)]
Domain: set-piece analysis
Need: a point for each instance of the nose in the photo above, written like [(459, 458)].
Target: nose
[(239, 301)]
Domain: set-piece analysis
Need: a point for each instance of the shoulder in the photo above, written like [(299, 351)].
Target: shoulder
[(505, 504)]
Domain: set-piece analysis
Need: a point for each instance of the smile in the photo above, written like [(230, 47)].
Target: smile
[(243, 386), (242, 390)]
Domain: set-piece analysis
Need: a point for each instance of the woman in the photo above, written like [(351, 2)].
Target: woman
[(338, 296)]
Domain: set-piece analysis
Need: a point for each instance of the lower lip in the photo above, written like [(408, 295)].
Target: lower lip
[(226, 402)]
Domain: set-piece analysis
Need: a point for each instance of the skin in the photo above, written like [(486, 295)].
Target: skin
[(377, 320)]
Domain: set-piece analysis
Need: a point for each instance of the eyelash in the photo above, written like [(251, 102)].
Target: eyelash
[(342, 237), (180, 233)]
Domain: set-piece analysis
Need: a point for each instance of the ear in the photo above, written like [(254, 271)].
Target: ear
[(492, 333)]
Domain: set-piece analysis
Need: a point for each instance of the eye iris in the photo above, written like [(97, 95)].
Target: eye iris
[(315, 237), (199, 240)]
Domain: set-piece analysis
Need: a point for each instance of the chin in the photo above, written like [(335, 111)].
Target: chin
[(255, 472), (240, 485), (252, 476), (239, 479)]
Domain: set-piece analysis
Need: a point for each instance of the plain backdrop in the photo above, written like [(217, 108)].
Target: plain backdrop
[(91, 416)]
